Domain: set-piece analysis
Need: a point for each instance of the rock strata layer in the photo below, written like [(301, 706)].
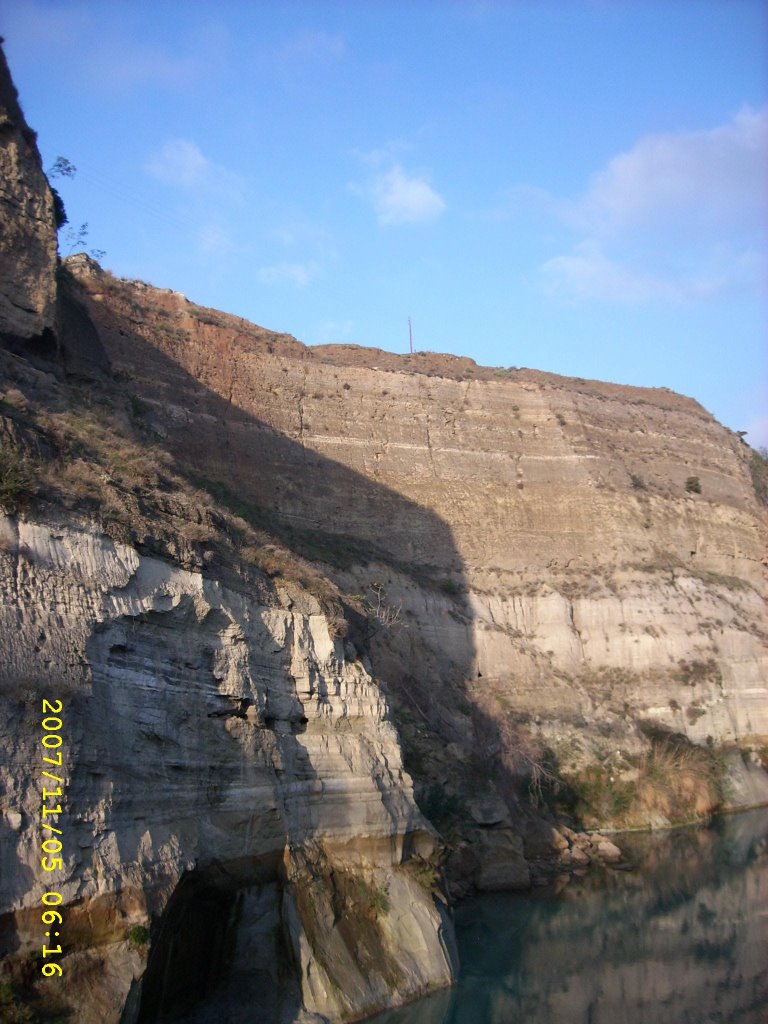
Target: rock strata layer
[(542, 572), (225, 767)]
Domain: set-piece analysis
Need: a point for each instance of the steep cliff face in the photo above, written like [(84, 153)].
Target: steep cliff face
[(27, 228), (229, 775), (558, 565), (237, 835)]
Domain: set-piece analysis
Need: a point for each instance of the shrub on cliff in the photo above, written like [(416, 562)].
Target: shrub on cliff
[(450, 587), (16, 477), (682, 781), (138, 936), (59, 213), (61, 168), (601, 796), (11, 1010), (674, 779)]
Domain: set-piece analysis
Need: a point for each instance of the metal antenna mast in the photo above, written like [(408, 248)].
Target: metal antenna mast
[(410, 335)]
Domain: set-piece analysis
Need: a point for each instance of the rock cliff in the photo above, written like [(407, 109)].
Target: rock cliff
[(231, 781), (238, 835), (27, 228), (558, 569)]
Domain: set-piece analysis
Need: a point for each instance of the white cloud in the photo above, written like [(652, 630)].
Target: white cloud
[(306, 250), (298, 274), (400, 198), (383, 156), (208, 198), (705, 180), (182, 164), (588, 273), (678, 217)]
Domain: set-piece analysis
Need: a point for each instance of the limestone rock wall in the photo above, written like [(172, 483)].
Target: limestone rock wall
[(574, 582), (530, 564), (207, 736)]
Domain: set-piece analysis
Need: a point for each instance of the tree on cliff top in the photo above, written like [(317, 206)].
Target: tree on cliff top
[(64, 168), (61, 168)]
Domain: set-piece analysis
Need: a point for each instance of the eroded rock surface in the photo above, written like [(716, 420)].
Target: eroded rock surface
[(520, 563), (210, 741), (551, 583)]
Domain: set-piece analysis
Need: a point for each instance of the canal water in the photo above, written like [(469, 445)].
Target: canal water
[(680, 939)]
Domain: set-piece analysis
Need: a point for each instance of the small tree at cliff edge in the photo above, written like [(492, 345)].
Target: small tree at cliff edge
[(64, 168)]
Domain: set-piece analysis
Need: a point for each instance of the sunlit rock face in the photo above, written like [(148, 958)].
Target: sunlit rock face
[(223, 761), (572, 561), (27, 229)]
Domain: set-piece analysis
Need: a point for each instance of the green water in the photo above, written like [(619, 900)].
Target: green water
[(682, 939)]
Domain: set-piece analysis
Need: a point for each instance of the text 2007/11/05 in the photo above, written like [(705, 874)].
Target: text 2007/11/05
[(51, 845)]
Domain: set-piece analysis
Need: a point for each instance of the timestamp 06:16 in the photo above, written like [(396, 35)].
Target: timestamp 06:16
[(52, 844)]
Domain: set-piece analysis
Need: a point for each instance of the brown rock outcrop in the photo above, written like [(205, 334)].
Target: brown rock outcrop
[(27, 229), (554, 582)]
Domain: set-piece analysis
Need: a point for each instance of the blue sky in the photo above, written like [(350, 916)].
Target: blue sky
[(577, 186)]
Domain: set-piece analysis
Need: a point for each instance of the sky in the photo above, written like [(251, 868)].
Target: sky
[(579, 186)]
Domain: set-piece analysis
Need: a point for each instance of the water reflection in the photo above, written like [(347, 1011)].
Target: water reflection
[(683, 939)]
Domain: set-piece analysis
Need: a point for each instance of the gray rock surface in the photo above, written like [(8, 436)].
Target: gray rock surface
[(208, 737), (568, 601), (489, 810)]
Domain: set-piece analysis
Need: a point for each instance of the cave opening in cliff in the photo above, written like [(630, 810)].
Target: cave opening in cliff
[(219, 945), (41, 347)]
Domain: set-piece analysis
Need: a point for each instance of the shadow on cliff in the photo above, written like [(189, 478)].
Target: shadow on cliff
[(329, 514), (319, 508)]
